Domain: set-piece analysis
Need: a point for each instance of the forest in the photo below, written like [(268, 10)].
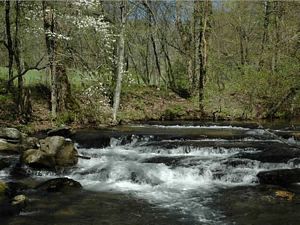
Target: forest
[(93, 62), (165, 112)]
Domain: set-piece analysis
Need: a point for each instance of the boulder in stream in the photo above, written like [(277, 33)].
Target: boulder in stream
[(272, 154), (11, 134), (167, 160), (7, 147), (3, 188), (39, 159), (54, 152), (281, 177), (13, 141), (59, 185)]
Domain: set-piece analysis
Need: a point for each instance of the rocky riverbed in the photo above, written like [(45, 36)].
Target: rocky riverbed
[(151, 174)]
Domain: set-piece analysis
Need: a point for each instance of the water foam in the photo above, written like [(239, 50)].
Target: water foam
[(183, 178), (193, 127)]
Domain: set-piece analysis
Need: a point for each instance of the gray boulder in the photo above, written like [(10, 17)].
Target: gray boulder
[(30, 142), (38, 159), (10, 133), (54, 152), (13, 141), (8, 147)]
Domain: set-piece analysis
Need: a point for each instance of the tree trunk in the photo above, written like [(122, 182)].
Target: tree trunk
[(195, 50), (157, 80), (49, 28), (19, 59), (265, 38), (120, 63), (9, 43), (147, 71), (170, 74), (242, 52), (65, 100), (277, 20), (205, 10), (153, 42)]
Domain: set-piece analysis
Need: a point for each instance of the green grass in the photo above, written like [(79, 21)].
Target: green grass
[(34, 77), (31, 77)]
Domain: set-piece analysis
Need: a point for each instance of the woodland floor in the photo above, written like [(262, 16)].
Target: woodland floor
[(137, 104)]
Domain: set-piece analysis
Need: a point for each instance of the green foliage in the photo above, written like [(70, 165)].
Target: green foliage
[(244, 79), (65, 118), (248, 92), (181, 75), (174, 112), (5, 98), (7, 107)]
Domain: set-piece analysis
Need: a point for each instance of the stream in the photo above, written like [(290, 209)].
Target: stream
[(162, 174)]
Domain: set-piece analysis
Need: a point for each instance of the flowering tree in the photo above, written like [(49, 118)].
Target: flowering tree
[(64, 32)]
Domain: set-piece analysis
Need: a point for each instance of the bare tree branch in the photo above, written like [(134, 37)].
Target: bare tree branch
[(35, 67)]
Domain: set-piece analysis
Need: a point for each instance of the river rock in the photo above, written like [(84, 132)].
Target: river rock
[(272, 154), (19, 200), (17, 146), (59, 185), (167, 160), (236, 162), (30, 142), (10, 133), (279, 177), (63, 150), (37, 158), (54, 152), (294, 162), (7, 147), (3, 188)]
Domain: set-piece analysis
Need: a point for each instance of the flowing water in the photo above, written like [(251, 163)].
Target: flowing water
[(176, 170)]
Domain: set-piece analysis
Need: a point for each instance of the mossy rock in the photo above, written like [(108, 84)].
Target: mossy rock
[(3, 188), (296, 135)]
